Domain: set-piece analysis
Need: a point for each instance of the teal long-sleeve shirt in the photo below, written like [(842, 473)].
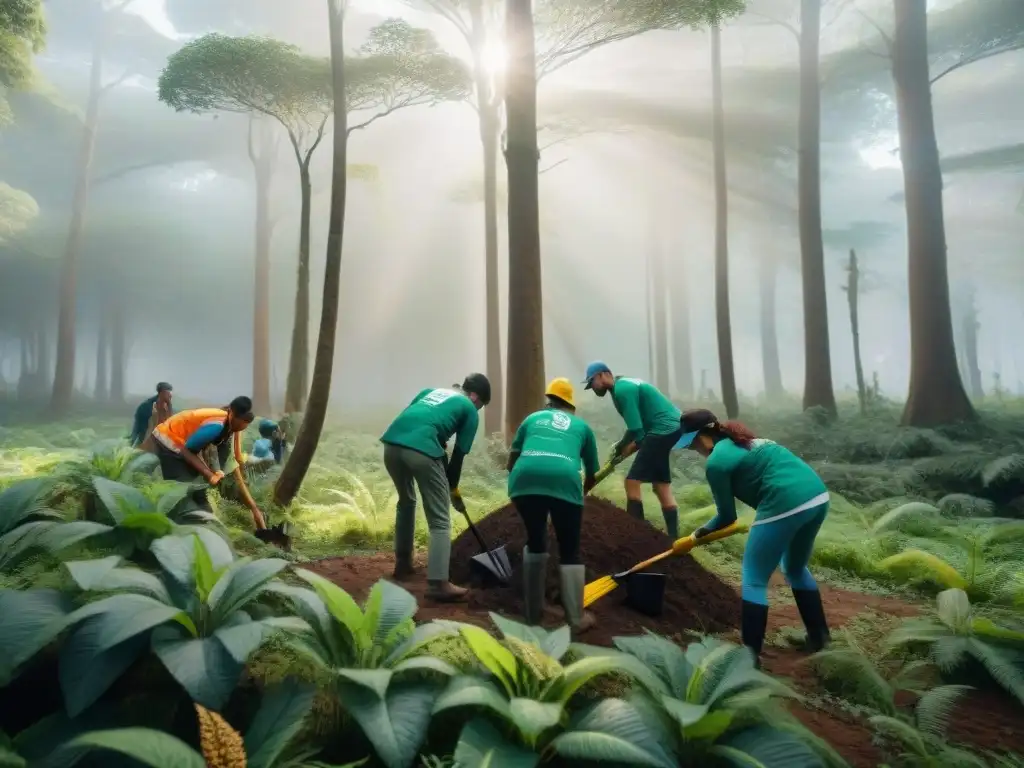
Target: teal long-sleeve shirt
[(644, 408), (767, 476)]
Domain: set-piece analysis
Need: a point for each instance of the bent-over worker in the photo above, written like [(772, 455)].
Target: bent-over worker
[(270, 446), (185, 435), (152, 412), (545, 478), (791, 503), (414, 455), (652, 430)]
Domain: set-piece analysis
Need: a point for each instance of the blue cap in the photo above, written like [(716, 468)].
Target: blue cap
[(593, 369), (685, 440)]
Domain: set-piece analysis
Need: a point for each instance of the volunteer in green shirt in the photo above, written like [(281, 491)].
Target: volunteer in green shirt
[(545, 477), (652, 430), (415, 455), (791, 503)]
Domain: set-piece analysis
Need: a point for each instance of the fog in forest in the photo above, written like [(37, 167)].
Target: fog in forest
[(168, 206)]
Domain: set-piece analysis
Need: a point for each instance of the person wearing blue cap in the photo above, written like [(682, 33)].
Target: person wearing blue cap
[(791, 503), (271, 444), (652, 430)]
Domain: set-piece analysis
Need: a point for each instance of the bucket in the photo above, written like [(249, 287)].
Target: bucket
[(645, 593), (482, 566)]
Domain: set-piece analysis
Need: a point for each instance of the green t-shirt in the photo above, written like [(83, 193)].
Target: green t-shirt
[(644, 409), (768, 477), (430, 420), (552, 445)]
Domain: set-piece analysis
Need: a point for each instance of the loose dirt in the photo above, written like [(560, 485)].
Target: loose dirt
[(694, 600)]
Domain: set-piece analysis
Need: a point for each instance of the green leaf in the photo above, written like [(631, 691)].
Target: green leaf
[(279, 719), (104, 576), (151, 523), (395, 607), (149, 747), (124, 616), (393, 716), (21, 501), (498, 660), (202, 571), (662, 656), (470, 691), (85, 674), (766, 747), (532, 718), (954, 608), (709, 727), (581, 672), (169, 501), (612, 731), (120, 500), (31, 620), (241, 583), (339, 603), (553, 644), (176, 555), (64, 535), (683, 712), (482, 746), (18, 543), (423, 634)]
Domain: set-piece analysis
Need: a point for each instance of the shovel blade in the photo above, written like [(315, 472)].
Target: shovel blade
[(483, 566)]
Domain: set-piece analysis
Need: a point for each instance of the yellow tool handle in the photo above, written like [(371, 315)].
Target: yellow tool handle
[(685, 544), (603, 473)]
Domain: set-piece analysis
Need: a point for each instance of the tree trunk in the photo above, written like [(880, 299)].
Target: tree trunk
[(261, 153), (118, 352), (682, 350), (64, 374), (723, 321), (102, 391), (937, 393), (42, 352), (853, 298), (768, 270), (652, 351), (525, 391), (661, 374), (971, 326), (301, 455), (297, 387), (818, 390)]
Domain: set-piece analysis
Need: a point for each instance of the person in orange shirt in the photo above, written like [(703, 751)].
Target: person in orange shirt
[(182, 438)]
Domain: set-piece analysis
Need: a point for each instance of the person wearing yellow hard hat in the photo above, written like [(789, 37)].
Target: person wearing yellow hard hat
[(549, 450)]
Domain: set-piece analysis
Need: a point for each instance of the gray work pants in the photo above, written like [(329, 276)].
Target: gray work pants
[(409, 469)]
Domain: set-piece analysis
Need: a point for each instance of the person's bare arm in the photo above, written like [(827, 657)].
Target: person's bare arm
[(200, 466), (257, 516)]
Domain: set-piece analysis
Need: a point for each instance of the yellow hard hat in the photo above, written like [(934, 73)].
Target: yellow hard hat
[(562, 389)]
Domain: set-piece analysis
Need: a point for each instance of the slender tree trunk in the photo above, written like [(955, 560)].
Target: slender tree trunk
[(768, 270), (297, 387), (301, 455), (937, 393), (261, 153), (102, 391), (652, 351), (723, 321), (64, 374), (971, 326), (525, 392), (42, 352), (853, 298), (118, 352), (818, 391), (661, 374), (682, 351)]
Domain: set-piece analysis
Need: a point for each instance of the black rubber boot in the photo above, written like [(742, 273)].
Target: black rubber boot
[(754, 623), (635, 509), (812, 612), (671, 516)]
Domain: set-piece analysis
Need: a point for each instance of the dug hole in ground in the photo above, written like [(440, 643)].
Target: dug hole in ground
[(695, 600)]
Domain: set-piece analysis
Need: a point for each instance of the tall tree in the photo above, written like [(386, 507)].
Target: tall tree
[(102, 389), (301, 456), (723, 320), (853, 293), (263, 155), (937, 393), (399, 66), (22, 33), (768, 271), (659, 307), (682, 347)]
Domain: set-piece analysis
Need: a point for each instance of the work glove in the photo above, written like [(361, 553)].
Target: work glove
[(215, 478), (458, 502)]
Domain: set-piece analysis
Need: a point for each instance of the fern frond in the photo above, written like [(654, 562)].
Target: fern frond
[(903, 732), (1005, 469), (960, 505), (935, 708), (1003, 666), (850, 673), (915, 565)]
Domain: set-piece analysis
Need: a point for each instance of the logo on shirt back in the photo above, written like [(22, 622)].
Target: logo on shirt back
[(438, 396), (560, 421)]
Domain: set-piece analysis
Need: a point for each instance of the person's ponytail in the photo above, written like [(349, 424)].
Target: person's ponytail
[(738, 432)]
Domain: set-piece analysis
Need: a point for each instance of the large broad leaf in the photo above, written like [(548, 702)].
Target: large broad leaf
[(388, 608), (124, 616), (176, 555), (533, 718), (16, 544), (612, 731), (954, 608), (149, 747), (423, 634), (662, 656), (64, 535), (150, 524), (120, 500), (104, 576), (21, 501), (393, 716), (216, 547), (31, 620), (581, 672), (474, 692), (497, 659), (553, 644), (86, 675), (342, 607), (279, 719), (208, 668), (765, 747), (174, 499), (482, 746), (242, 582)]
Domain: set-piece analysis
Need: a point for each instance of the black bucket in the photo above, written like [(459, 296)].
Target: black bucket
[(483, 566), (645, 593)]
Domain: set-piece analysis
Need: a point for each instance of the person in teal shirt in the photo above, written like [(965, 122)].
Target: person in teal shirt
[(415, 455), (552, 464), (652, 430), (791, 503)]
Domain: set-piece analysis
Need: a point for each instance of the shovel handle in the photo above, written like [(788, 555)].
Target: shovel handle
[(685, 544)]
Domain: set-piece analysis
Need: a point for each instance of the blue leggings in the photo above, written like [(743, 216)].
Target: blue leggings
[(789, 541)]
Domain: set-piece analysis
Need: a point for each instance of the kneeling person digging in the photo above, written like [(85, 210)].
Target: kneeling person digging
[(414, 455)]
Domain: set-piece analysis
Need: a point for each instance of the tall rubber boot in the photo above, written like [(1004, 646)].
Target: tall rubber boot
[(573, 578), (754, 624), (439, 588), (671, 516), (812, 612), (635, 509), (535, 569)]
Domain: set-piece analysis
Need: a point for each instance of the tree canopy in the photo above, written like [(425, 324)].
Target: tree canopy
[(22, 33)]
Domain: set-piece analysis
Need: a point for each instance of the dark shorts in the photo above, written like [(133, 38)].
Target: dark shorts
[(566, 519), (652, 463), (173, 467)]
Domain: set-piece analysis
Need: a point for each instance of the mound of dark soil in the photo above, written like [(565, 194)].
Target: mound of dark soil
[(612, 541)]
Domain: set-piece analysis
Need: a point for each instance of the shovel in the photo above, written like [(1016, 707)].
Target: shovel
[(493, 562)]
